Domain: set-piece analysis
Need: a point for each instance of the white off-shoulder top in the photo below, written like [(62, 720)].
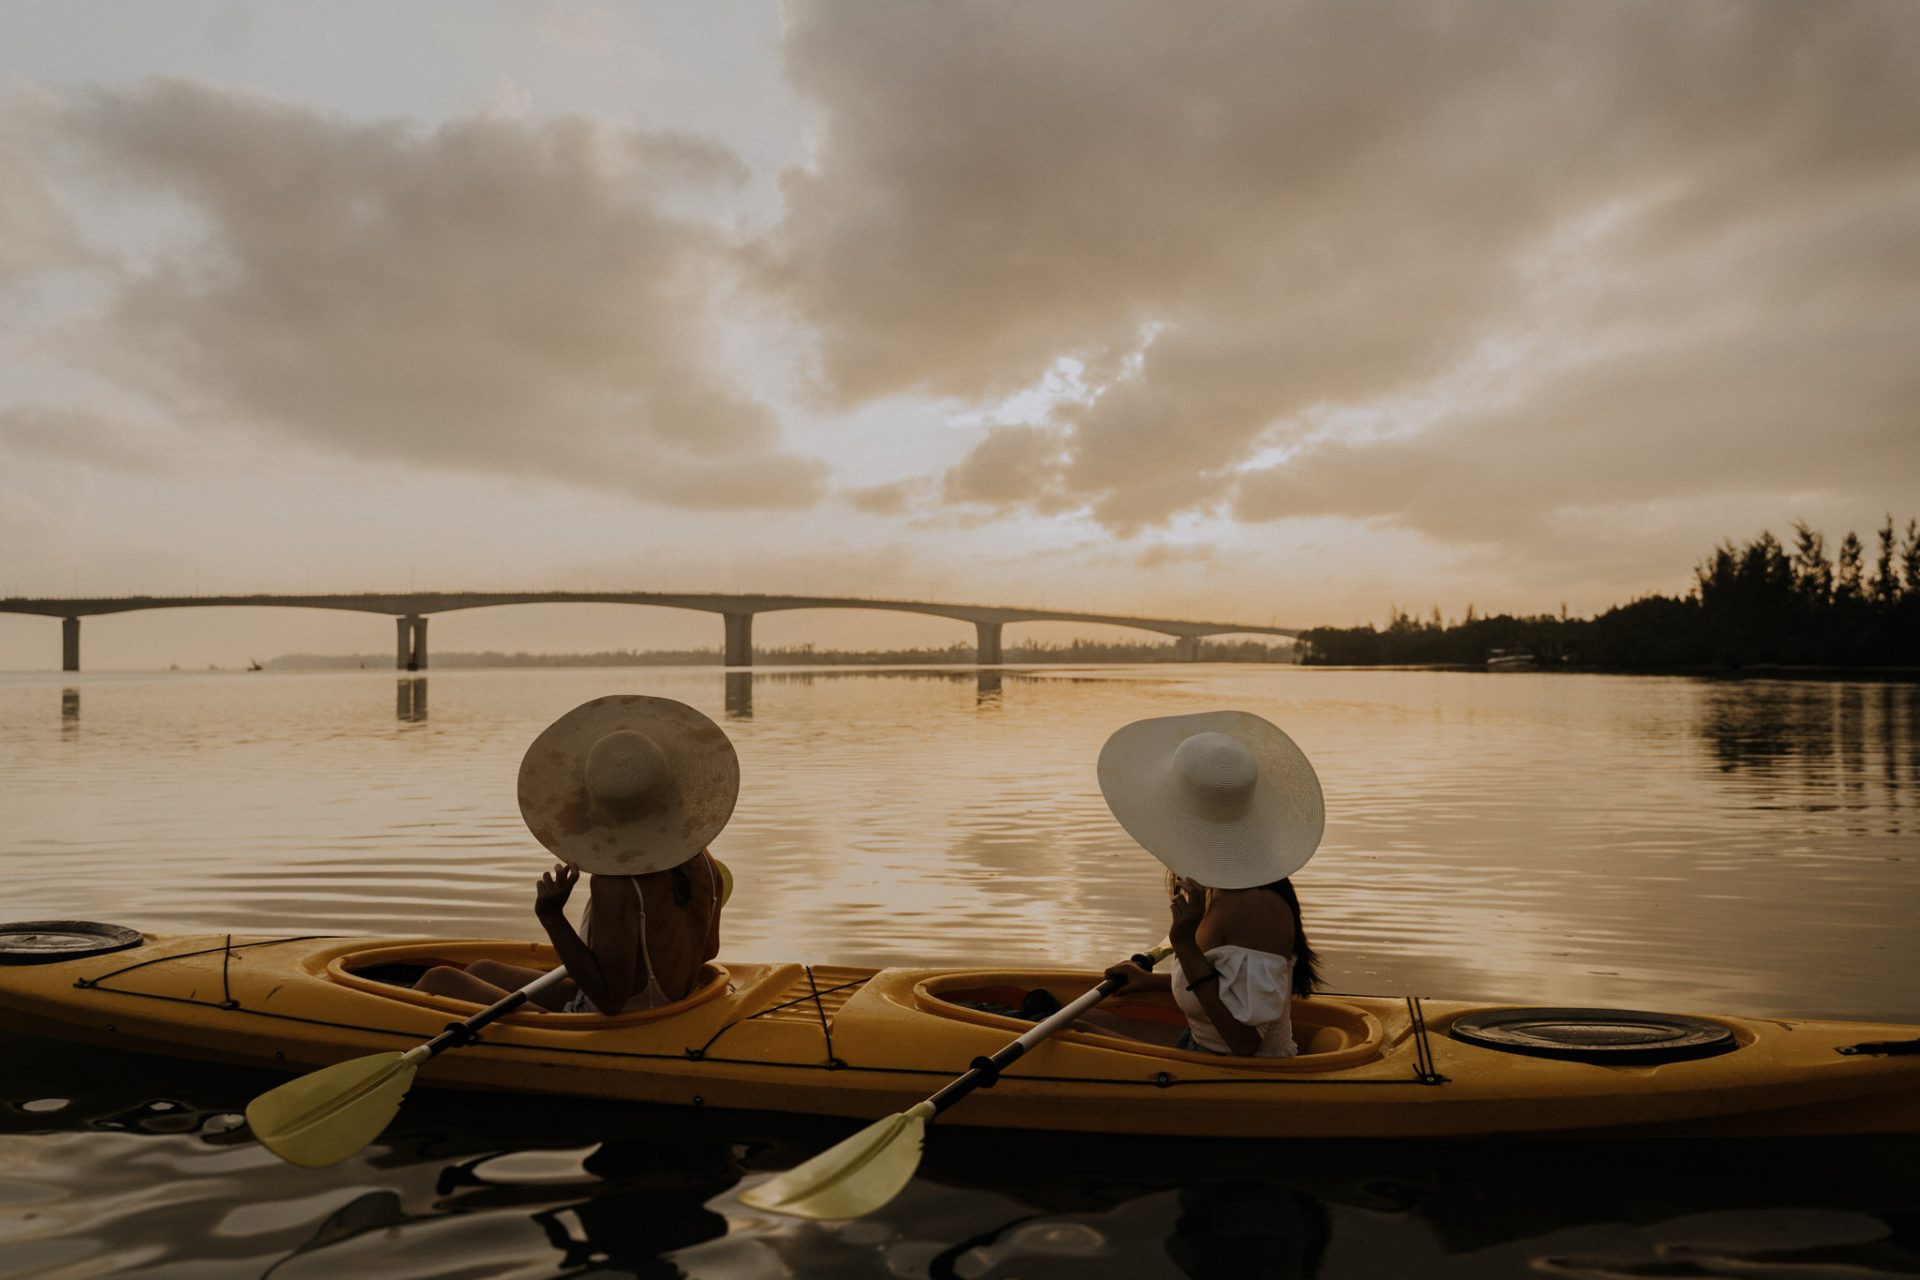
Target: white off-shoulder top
[(1256, 987)]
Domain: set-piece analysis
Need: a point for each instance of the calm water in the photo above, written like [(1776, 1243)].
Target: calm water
[(1714, 846)]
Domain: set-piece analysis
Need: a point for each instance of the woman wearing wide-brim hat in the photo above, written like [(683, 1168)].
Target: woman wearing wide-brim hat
[(630, 789), (1233, 808)]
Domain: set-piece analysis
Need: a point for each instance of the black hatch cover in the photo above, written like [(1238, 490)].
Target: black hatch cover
[(47, 941), (1612, 1036)]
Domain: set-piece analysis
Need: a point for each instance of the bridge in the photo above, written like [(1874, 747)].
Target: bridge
[(410, 611)]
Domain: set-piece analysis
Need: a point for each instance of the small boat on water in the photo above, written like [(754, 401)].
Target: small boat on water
[(1511, 660), (857, 1042)]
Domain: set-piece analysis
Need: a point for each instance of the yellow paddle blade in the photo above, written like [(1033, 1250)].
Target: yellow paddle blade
[(854, 1177), (322, 1118)]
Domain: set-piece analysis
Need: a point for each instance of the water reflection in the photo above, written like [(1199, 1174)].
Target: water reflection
[(410, 699), (654, 1202), (739, 695), (69, 704), (466, 1184), (1819, 746)]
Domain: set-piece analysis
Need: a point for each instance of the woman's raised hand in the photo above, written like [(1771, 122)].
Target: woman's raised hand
[(1187, 908), (550, 895)]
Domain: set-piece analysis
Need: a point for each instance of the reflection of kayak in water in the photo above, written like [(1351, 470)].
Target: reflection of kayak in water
[(842, 1041), (633, 1179)]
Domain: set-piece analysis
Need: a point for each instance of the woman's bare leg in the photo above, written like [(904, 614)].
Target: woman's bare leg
[(445, 980), (512, 977)]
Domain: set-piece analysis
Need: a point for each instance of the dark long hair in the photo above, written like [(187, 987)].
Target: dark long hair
[(1306, 965)]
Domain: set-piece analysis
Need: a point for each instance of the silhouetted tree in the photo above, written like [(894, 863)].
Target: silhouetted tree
[(1846, 572), (1812, 575), (1886, 583), (1910, 561), (1750, 604)]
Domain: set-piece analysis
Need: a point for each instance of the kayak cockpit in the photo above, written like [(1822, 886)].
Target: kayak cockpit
[(390, 972), (1331, 1033)]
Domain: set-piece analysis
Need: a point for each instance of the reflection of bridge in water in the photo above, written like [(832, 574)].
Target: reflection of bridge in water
[(410, 611), (410, 692)]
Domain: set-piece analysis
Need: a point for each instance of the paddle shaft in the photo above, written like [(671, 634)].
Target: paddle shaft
[(463, 1033), (985, 1072)]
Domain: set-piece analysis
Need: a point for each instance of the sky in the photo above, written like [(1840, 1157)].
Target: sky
[(1279, 313)]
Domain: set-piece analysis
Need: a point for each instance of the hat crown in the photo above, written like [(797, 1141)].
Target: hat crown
[(626, 772), (1216, 767)]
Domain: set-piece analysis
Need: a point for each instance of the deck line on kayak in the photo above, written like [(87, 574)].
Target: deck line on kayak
[(86, 984), (814, 996)]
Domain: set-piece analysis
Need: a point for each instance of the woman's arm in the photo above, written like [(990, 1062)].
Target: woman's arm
[(598, 970), (1188, 908), (1138, 979)]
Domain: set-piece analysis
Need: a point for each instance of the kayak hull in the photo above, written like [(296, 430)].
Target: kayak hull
[(861, 1043)]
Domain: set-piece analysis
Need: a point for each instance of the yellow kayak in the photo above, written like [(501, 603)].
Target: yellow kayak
[(842, 1041)]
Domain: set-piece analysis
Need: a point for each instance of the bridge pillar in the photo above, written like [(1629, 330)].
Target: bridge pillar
[(987, 643), (70, 644), (739, 651), (412, 653), (1186, 649)]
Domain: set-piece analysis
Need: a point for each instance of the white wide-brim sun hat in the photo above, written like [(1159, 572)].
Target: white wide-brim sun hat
[(1223, 797), (628, 784)]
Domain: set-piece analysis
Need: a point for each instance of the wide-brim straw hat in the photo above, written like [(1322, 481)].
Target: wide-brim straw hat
[(1223, 797), (628, 784)]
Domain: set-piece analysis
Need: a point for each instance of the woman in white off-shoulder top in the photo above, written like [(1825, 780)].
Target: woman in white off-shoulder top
[(1240, 957), (1233, 808)]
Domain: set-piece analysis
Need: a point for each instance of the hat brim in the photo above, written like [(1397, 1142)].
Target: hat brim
[(561, 815), (1272, 838)]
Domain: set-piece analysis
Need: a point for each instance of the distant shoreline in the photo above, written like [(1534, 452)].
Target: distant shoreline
[(1252, 652), (1705, 671), (1066, 655)]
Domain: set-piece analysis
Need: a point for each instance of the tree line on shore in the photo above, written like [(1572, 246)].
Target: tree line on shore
[(1761, 603)]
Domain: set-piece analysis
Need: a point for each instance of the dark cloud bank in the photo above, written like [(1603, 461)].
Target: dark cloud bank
[(1677, 240), (490, 294), (1541, 256)]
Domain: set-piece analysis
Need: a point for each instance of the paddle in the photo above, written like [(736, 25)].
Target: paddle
[(865, 1171), (326, 1116), (322, 1118)]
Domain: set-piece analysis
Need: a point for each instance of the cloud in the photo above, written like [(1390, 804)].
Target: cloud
[(889, 499), (37, 233), (1555, 254), (1160, 555), (492, 294), (93, 439), (1012, 466)]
